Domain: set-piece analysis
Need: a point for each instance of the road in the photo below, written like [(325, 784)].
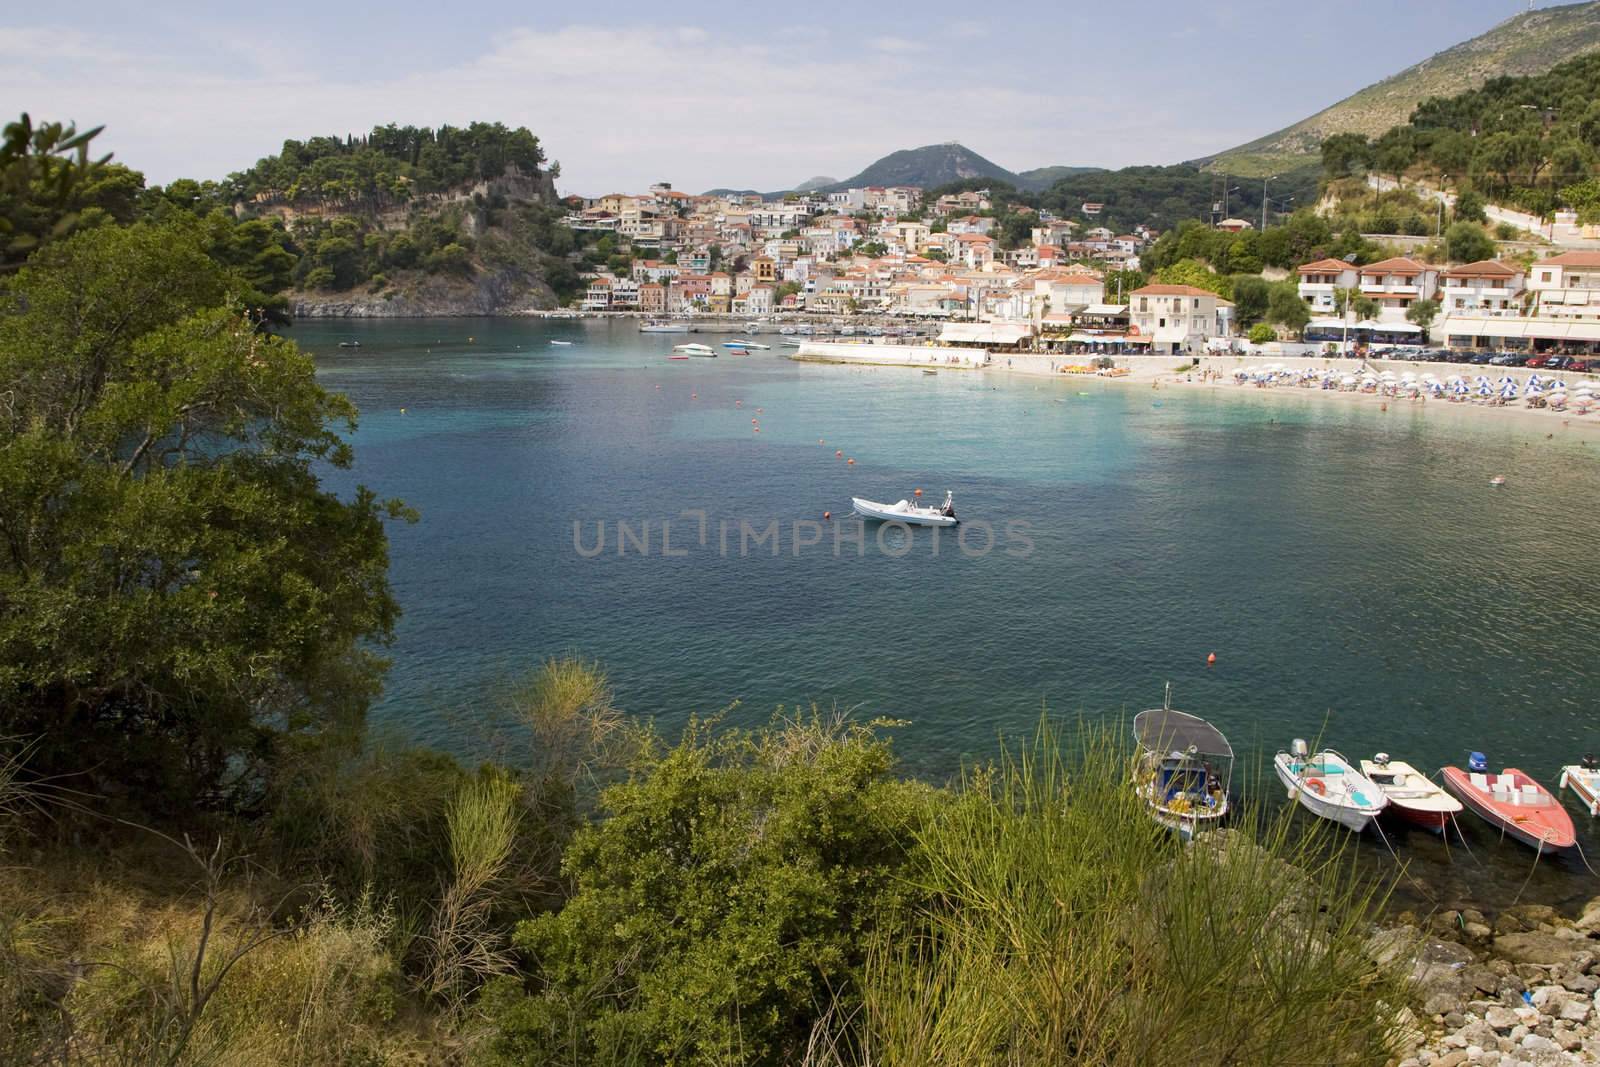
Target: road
[(1520, 219)]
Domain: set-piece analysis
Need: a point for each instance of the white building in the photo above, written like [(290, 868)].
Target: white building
[(1174, 318), (1319, 280)]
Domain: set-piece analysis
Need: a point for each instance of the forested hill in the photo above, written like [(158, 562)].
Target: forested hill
[(411, 220), (1531, 42), (1533, 141)]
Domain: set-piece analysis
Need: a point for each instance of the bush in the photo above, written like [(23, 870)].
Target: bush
[(1467, 242), (1261, 334), (731, 889), (1505, 232)]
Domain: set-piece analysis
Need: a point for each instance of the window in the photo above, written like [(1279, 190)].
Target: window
[(1544, 276), (1197, 303)]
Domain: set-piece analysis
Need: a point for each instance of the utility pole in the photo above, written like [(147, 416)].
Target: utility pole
[(1264, 182)]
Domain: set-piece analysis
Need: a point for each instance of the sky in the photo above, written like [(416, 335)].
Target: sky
[(762, 96)]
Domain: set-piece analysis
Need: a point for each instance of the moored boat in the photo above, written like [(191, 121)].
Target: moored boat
[(1514, 803), (663, 327), (562, 343), (751, 345), (693, 349), (1584, 780), (1410, 793), (1183, 768), (349, 344), (907, 512), (1327, 786)]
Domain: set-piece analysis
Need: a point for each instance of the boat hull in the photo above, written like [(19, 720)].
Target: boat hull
[(1428, 820), (1586, 784), (1545, 829), (869, 509), (1352, 818)]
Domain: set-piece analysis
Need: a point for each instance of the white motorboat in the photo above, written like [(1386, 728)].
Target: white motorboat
[(1327, 786), (566, 344), (1183, 768), (663, 327), (1410, 793), (1584, 780), (692, 349), (752, 345), (907, 512)]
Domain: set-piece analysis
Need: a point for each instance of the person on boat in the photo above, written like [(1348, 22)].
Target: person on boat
[(949, 508)]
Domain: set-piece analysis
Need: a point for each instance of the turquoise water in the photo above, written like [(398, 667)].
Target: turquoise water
[(1351, 568)]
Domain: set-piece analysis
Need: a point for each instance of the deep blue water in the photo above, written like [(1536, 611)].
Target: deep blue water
[(1351, 569)]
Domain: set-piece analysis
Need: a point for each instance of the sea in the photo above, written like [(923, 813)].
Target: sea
[(1293, 567)]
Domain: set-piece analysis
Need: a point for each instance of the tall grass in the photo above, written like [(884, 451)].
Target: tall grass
[(466, 947), (1062, 925)]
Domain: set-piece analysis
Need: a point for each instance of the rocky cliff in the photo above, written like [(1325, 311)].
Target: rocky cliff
[(507, 291)]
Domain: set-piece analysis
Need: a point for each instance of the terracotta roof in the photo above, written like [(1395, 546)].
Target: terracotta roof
[(975, 237), (1484, 268), (1397, 264), (1571, 259), (1327, 266), (1171, 290)]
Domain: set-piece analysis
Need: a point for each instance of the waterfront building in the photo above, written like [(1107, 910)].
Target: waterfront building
[(1173, 319)]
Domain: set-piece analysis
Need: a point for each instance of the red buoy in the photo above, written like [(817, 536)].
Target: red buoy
[(827, 515), (1211, 659), (838, 454)]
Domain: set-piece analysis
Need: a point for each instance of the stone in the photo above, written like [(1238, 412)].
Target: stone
[(1440, 1003), (1451, 1059), (1500, 1018), (1534, 948), (1569, 1040), (1455, 1020), (1574, 1010), (1582, 983), (1518, 1032), (1536, 1044), (1477, 931)]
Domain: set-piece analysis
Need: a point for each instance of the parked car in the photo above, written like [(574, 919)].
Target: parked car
[(1581, 366), (1534, 361), (1481, 358), (1558, 362)]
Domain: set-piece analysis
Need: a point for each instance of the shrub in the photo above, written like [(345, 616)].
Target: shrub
[(1261, 334), (731, 890)]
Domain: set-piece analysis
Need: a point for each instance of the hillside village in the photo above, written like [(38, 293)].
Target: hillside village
[(885, 251)]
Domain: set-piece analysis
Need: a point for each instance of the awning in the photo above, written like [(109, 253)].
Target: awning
[(1164, 730), (1325, 324), (1463, 327), (1106, 309), (1171, 335), (1396, 327), (985, 333), (1552, 296), (1584, 331)]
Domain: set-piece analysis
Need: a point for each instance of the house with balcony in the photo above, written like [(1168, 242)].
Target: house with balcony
[(597, 297), (1319, 280), (1567, 286), (1174, 319), (652, 298), (974, 250), (1395, 284), (1488, 287), (972, 224)]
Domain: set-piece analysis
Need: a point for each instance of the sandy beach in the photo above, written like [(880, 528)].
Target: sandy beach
[(1216, 374)]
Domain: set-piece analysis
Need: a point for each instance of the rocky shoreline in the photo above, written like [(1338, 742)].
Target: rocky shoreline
[(415, 296), (1519, 990)]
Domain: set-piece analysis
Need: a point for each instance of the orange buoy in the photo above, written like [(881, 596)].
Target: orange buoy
[(827, 515), (1211, 659), (917, 493), (694, 396), (850, 462)]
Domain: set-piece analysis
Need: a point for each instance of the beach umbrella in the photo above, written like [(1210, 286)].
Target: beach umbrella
[(1509, 390), (1461, 388), (1483, 388), (1534, 380), (1558, 384)]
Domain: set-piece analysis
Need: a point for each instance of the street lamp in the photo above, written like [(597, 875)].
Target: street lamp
[(1264, 182)]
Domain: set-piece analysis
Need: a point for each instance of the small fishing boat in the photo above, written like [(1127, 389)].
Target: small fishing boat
[(692, 349), (926, 370), (1519, 806), (1410, 793), (1584, 780), (1497, 480), (1183, 768), (566, 344), (907, 512), (349, 344), (1327, 786), (752, 345), (678, 356), (663, 327)]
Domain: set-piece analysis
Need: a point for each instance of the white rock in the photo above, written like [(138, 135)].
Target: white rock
[(1500, 1018), (1536, 1044), (1574, 1010)]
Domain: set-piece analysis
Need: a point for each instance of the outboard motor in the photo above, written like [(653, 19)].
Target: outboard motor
[(1381, 759), (1477, 761), (1590, 763), (1299, 749)]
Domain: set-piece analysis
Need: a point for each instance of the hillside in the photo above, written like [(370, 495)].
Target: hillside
[(925, 167), (412, 221), (1530, 43), (1041, 178)]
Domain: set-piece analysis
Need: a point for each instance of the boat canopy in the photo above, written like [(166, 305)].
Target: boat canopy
[(1165, 730)]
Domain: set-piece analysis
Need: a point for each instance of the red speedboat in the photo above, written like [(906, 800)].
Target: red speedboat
[(1519, 806)]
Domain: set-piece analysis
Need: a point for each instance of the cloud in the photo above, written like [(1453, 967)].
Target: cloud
[(897, 46), (618, 107)]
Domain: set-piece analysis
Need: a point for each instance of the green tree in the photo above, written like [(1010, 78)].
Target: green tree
[(1468, 242), (1469, 207), (1192, 272), (1251, 295), (1261, 334), (179, 598), (1422, 313), (1344, 154), (44, 170), (1350, 303), (729, 893), (1286, 307)]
